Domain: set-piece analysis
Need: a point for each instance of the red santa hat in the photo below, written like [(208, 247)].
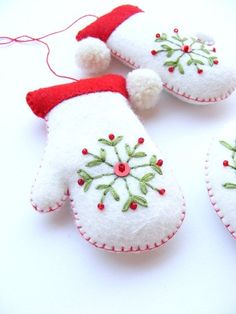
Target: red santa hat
[(92, 54), (141, 88)]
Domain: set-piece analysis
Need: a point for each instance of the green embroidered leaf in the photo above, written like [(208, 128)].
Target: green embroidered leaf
[(184, 38), (106, 142), (170, 53), (117, 140), (148, 177), (114, 194), (94, 163), (128, 150), (87, 185), (102, 186), (163, 36), (83, 174), (166, 47), (143, 188), (180, 68), (210, 61), (196, 61), (230, 185), (140, 200), (139, 154), (127, 204), (170, 63), (159, 39), (228, 146), (190, 61), (205, 50), (102, 154), (153, 160), (177, 38), (157, 169)]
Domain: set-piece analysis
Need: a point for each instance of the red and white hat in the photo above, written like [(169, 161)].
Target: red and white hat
[(93, 55), (141, 88)]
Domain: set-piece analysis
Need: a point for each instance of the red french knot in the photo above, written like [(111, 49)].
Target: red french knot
[(101, 206), (158, 35), (162, 191), (159, 163), (111, 137), (122, 169), (186, 48), (133, 206), (176, 30), (84, 151), (214, 49), (200, 71), (141, 140), (225, 163), (154, 52), (171, 69), (81, 182), (216, 61)]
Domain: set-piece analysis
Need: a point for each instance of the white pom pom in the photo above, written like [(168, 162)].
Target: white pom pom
[(93, 55), (144, 87)]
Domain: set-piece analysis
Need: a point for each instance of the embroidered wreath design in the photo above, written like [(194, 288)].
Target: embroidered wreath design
[(177, 46), (120, 170), (229, 185)]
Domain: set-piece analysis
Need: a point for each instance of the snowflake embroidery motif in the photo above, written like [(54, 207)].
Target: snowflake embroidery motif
[(229, 185), (178, 46), (120, 170)]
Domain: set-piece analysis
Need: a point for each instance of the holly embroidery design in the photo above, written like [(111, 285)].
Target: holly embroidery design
[(176, 47), (121, 170), (226, 163)]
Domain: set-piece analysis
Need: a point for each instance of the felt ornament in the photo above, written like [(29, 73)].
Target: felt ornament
[(188, 65), (221, 176), (122, 192)]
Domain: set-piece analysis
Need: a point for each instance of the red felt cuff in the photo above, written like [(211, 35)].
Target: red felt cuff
[(106, 24), (43, 100)]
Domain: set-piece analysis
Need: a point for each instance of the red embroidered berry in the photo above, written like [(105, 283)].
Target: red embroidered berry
[(111, 137), (162, 191), (84, 151), (154, 52), (171, 69), (200, 71), (81, 182), (158, 35), (159, 163), (133, 205), (225, 163), (214, 49), (186, 48), (176, 30), (216, 61), (101, 206), (141, 140)]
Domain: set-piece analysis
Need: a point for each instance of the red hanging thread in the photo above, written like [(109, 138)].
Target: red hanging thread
[(6, 40)]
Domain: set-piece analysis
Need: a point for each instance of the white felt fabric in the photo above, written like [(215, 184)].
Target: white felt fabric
[(135, 38), (79, 122), (223, 200)]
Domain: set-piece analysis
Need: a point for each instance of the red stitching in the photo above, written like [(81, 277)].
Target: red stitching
[(132, 64), (213, 201), (123, 249)]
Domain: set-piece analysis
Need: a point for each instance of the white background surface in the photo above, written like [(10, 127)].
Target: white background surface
[(45, 266)]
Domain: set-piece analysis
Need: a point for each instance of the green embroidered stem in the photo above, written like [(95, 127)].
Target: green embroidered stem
[(117, 153), (103, 175), (140, 166), (127, 187), (133, 151), (108, 188), (198, 54), (173, 43)]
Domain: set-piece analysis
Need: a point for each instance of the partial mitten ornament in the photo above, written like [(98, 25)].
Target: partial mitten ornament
[(221, 176), (123, 194), (187, 65)]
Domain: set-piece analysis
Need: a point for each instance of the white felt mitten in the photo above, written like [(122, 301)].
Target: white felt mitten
[(123, 194), (187, 65), (221, 178)]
